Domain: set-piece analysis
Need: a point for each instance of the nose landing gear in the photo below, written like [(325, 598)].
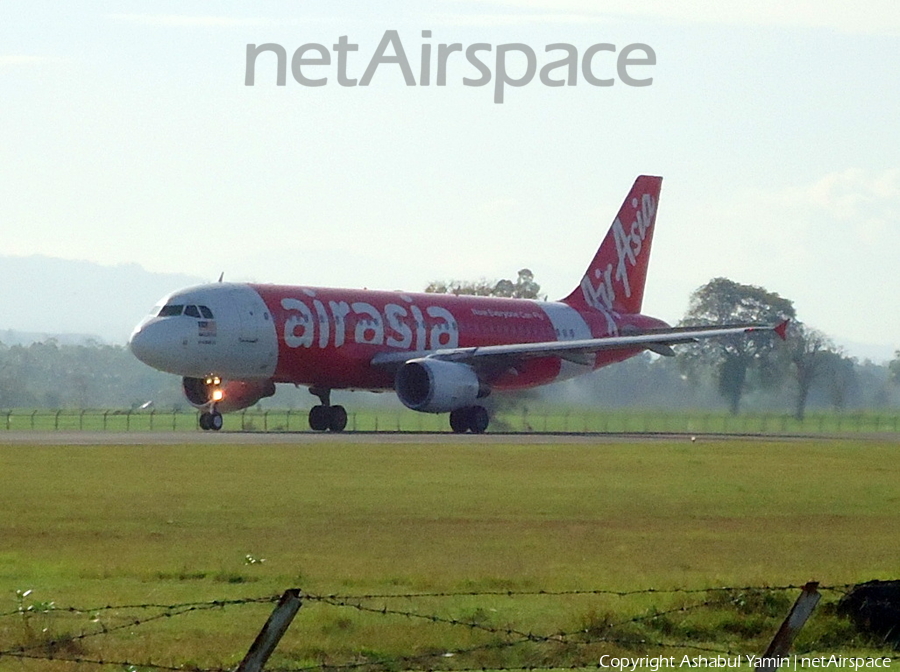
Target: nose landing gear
[(211, 420), (325, 416)]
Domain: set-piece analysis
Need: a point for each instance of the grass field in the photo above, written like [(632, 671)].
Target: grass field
[(93, 526)]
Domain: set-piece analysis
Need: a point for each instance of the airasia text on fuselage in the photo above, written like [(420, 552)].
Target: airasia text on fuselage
[(335, 322)]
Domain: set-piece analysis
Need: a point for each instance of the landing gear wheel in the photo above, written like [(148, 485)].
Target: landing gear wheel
[(478, 419), (338, 420), (215, 421), (211, 421), (473, 419), (319, 418), (459, 420)]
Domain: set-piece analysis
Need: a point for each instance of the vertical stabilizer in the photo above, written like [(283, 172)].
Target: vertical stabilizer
[(614, 281)]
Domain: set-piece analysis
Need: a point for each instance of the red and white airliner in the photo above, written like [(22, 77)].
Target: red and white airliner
[(441, 353)]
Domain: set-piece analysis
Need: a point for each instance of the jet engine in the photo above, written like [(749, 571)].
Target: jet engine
[(437, 386), (227, 395)]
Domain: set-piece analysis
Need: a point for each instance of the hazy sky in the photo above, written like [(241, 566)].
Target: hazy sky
[(128, 136)]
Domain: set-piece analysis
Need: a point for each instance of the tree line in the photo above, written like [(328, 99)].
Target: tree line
[(759, 373)]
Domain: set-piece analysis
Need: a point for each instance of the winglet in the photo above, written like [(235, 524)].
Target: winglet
[(781, 330)]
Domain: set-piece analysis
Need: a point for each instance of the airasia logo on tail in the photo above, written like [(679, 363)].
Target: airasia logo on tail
[(628, 241)]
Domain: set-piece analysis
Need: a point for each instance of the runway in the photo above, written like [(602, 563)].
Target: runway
[(79, 438)]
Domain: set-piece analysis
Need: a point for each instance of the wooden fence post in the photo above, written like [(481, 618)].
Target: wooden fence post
[(268, 638), (796, 619)]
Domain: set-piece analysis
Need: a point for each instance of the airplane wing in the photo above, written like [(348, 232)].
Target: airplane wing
[(657, 340)]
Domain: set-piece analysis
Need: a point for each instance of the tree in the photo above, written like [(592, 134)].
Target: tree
[(840, 378), (805, 349), (523, 288), (731, 359), (894, 368)]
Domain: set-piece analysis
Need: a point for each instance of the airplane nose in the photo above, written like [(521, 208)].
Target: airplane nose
[(157, 344)]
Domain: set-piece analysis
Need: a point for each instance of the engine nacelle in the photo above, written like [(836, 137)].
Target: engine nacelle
[(437, 386), (227, 395)]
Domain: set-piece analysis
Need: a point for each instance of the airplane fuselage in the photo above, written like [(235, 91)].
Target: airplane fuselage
[(329, 337)]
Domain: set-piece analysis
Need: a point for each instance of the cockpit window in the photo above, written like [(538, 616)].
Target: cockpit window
[(192, 311), (207, 313), (171, 310)]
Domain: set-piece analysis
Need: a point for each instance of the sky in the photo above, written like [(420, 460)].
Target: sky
[(128, 136)]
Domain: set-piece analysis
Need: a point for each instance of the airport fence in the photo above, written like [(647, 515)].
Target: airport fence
[(442, 631), (535, 421)]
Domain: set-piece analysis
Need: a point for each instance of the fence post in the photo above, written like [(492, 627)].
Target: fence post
[(266, 641), (796, 619)]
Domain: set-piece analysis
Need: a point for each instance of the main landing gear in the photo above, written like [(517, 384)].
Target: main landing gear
[(473, 419), (325, 416), (211, 421)]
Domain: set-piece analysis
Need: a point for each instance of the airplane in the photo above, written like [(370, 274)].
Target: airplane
[(233, 342)]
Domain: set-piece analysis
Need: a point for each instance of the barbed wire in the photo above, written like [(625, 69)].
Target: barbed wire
[(587, 635), (23, 651), (557, 638), (501, 630), (598, 591), (52, 608), (44, 608)]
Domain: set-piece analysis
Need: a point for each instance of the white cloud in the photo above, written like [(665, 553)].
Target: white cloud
[(185, 21), (864, 204), (23, 59), (875, 17), (487, 20)]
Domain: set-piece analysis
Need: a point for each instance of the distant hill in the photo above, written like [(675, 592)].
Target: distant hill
[(11, 337), (45, 296)]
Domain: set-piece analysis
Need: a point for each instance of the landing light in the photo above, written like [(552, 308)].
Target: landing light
[(218, 395)]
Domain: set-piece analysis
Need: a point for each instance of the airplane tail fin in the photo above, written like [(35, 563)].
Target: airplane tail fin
[(614, 281)]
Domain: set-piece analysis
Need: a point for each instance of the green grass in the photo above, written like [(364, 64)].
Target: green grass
[(95, 526)]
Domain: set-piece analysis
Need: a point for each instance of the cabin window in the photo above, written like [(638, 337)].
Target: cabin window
[(171, 310)]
